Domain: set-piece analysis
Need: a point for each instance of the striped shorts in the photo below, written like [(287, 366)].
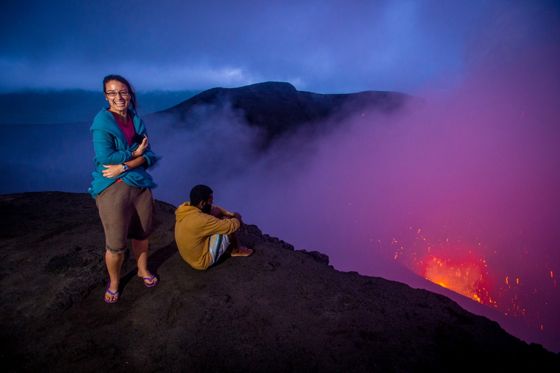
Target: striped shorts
[(218, 246)]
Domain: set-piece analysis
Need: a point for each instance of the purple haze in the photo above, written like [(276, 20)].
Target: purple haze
[(474, 169)]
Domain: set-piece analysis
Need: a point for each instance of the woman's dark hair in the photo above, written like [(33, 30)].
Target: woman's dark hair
[(200, 193), (121, 79)]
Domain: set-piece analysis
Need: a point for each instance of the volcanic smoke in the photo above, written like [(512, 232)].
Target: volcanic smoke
[(461, 188)]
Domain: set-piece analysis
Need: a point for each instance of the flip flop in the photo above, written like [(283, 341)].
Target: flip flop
[(151, 281), (242, 251), (111, 296)]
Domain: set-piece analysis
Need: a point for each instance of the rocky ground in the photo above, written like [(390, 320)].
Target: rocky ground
[(278, 310)]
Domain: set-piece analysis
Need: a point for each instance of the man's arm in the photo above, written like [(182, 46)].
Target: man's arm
[(221, 212), (222, 226)]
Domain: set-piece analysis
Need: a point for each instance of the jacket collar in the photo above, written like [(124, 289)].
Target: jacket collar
[(104, 120)]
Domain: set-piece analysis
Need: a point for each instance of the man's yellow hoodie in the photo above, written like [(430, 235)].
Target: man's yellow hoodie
[(193, 230)]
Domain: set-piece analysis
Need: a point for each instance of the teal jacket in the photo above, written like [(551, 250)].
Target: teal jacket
[(111, 147)]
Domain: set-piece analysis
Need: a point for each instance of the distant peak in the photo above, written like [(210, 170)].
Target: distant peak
[(271, 85)]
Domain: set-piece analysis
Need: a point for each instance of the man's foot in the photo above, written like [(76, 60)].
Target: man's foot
[(242, 251), (149, 281), (111, 296)]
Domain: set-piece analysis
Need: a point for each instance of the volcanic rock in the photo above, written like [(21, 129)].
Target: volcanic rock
[(279, 310)]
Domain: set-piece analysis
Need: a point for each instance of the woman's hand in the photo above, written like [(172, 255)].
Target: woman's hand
[(142, 147), (112, 170)]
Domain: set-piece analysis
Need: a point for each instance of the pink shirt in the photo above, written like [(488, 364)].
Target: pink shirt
[(126, 126)]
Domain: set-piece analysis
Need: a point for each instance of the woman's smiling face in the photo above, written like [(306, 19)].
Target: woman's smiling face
[(118, 96)]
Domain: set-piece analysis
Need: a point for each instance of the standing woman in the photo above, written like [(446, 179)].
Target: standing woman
[(121, 186)]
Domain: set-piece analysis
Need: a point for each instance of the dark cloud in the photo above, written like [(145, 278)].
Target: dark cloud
[(317, 45)]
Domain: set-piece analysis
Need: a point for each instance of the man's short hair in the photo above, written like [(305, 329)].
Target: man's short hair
[(200, 193)]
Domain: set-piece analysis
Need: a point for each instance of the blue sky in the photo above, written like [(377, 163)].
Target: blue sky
[(323, 46)]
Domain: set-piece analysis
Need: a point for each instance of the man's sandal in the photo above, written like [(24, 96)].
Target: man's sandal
[(242, 251)]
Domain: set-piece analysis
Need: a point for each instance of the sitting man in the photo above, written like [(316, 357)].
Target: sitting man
[(204, 232)]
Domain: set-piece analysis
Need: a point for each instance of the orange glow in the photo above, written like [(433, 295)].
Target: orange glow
[(470, 267), (467, 277)]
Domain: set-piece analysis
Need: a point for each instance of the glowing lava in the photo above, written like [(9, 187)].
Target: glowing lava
[(468, 277), (452, 264)]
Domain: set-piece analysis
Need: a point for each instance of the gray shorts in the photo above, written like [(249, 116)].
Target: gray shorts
[(125, 212)]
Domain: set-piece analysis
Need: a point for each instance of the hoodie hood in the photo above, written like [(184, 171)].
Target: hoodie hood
[(185, 210)]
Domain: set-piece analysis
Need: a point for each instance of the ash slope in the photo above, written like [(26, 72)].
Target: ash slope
[(279, 310)]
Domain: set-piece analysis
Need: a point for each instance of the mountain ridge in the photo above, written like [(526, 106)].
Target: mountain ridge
[(278, 107)]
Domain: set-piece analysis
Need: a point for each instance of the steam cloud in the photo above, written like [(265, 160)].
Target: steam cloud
[(467, 172)]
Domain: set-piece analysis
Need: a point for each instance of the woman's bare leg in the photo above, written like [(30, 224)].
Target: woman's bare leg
[(114, 262), (140, 251)]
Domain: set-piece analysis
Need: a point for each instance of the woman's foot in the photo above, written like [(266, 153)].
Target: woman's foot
[(111, 296), (149, 280), (241, 251)]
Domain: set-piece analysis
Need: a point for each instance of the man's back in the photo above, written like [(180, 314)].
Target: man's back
[(193, 229)]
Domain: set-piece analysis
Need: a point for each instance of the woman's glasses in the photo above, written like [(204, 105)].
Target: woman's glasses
[(113, 94)]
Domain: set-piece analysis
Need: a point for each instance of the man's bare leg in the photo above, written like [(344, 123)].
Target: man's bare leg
[(236, 249)]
